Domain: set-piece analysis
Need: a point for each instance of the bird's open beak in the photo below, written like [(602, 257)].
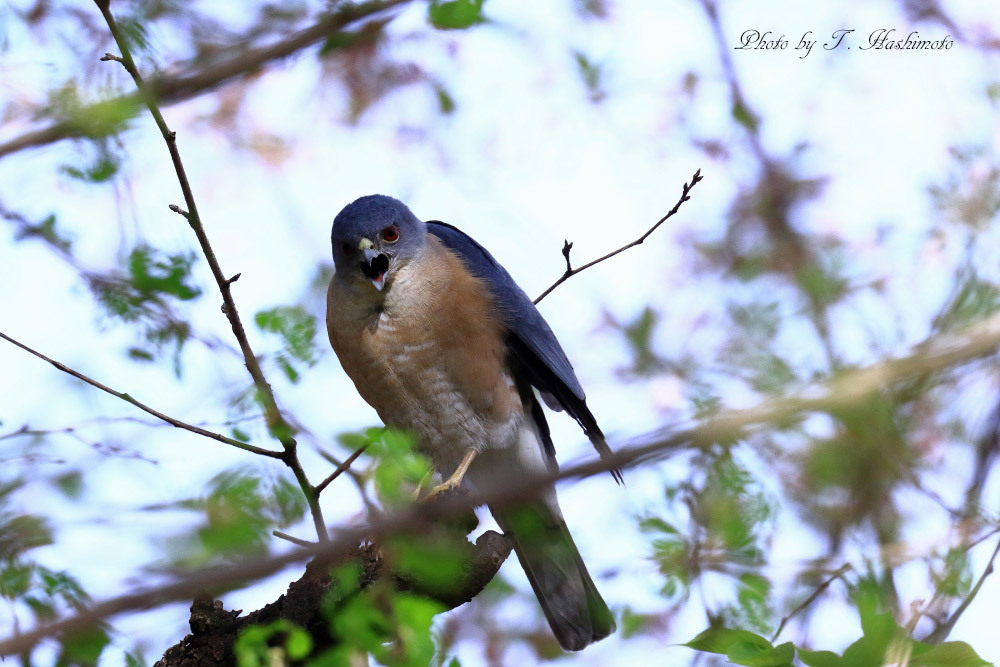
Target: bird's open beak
[(373, 263)]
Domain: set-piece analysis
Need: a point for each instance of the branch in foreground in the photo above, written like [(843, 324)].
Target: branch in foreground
[(172, 89), (567, 246), (307, 602), (850, 389), (142, 406), (275, 421)]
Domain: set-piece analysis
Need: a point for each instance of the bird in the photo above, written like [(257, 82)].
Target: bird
[(440, 341)]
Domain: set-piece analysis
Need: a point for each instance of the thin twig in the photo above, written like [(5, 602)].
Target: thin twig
[(294, 540), (841, 571), (276, 423), (172, 89), (941, 632), (850, 389), (343, 467), (567, 246), (142, 406)]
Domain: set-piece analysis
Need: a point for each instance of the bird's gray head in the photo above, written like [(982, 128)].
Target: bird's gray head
[(373, 237)]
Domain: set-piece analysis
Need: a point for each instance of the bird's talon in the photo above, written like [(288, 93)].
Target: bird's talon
[(440, 490)]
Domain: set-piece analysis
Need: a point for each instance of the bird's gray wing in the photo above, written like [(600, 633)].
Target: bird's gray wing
[(530, 341)]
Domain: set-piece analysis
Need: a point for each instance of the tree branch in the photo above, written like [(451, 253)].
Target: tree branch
[(276, 423), (142, 406), (841, 571), (342, 468), (172, 89), (307, 602), (567, 246), (849, 389), (941, 632)]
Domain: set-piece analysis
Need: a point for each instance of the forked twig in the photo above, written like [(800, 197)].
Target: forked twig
[(567, 246)]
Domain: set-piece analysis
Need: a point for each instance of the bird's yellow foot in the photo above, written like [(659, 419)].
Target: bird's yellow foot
[(443, 489), (455, 481)]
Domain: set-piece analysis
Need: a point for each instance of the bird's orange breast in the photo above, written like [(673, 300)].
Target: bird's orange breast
[(431, 357)]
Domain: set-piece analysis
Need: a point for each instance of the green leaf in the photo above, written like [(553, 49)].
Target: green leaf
[(633, 623), (436, 562), (744, 116), (70, 484), (297, 330), (455, 14), (399, 467), (99, 119), (446, 103), (820, 659), (949, 654), (299, 644), (754, 598), (82, 649), (725, 640), (413, 615), (22, 533), (639, 335), (590, 72), (656, 524), (254, 646), (151, 275), (138, 354), (753, 656), (360, 623), (15, 580), (102, 170)]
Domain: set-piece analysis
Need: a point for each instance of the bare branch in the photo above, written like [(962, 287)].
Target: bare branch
[(841, 571), (941, 632), (343, 467), (291, 538), (169, 90), (276, 423), (567, 246), (142, 406)]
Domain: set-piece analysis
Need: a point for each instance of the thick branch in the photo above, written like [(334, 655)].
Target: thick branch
[(567, 246), (214, 630), (172, 89), (142, 406), (850, 389), (275, 422)]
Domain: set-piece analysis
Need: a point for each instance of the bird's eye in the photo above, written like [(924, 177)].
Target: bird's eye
[(390, 234), (347, 248)]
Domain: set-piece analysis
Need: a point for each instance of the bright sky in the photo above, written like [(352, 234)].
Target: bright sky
[(524, 163)]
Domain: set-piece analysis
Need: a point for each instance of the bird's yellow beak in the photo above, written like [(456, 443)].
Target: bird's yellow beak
[(374, 264)]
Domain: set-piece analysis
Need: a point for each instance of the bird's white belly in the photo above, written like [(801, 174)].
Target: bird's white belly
[(427, 401)]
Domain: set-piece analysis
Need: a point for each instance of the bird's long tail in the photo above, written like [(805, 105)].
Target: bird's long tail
[(575, 610)]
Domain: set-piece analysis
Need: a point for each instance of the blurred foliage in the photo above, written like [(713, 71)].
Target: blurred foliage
[(800, 303), (29, 587), (255, 647), (297, 330), (239, 510), (455, 14)]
